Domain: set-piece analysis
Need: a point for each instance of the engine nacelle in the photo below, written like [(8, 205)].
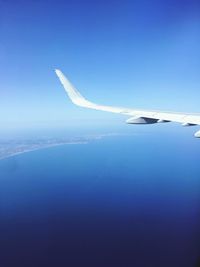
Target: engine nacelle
[(197, 134), (141, 120)]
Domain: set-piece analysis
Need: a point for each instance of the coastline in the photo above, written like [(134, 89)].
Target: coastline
[(16, 147), (42, 147)]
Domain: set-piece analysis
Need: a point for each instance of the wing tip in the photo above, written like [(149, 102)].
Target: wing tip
[(57, 71)]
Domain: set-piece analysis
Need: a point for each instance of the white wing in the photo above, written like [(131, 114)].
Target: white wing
[(137, 116)]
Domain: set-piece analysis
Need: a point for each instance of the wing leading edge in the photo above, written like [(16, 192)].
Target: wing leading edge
[(137, 116)]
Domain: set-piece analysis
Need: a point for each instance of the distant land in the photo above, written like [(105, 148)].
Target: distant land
[(9, 148)]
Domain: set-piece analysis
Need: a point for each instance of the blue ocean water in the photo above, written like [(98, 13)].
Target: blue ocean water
[(120, 201)]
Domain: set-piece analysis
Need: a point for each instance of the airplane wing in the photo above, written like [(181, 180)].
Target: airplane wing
[(137, 116)]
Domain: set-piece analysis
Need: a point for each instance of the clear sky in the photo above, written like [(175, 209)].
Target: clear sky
[(139, 53)]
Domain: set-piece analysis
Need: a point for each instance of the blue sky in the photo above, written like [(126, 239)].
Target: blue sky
[(130, 53)]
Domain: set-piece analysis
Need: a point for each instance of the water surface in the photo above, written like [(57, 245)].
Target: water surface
[(119, 201)]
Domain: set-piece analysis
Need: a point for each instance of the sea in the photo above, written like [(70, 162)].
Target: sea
[(117, 201)]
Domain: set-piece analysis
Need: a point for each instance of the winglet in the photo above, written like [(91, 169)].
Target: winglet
[(79, 100), (73, 94)]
